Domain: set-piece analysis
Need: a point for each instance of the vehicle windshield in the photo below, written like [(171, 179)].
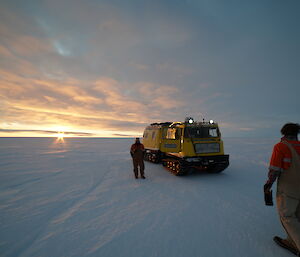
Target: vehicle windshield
[(201, 132)]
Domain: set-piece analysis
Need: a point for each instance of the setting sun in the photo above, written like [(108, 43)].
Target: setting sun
[(60, 137)]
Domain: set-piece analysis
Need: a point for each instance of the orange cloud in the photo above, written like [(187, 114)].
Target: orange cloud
[(102, 105), (29, 46)]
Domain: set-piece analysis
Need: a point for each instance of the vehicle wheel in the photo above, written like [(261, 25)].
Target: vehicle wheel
[(179, 169), (154, 158)]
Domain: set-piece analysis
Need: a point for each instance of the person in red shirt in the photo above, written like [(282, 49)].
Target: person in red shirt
[(285, 168), (137, 153)]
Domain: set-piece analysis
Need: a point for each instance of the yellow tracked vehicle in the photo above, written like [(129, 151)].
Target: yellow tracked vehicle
[(185, 146)]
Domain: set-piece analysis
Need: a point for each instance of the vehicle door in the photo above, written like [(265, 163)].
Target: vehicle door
[(171, 140)]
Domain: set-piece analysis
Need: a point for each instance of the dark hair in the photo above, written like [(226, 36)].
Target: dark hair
[(290, 129)]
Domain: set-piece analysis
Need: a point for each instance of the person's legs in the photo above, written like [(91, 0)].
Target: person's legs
[(142, 168), (289, 213), (285, 243), (292, 222), (135, 168)]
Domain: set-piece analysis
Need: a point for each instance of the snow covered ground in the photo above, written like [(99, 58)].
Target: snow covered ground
[(79, 198)]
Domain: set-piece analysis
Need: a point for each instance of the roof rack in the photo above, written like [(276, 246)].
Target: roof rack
[(161, 124)]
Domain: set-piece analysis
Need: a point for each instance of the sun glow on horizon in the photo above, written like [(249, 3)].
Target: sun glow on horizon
[(60, 137), (60, 132)]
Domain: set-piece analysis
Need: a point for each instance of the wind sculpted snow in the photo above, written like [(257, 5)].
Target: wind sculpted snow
[(80, 198)]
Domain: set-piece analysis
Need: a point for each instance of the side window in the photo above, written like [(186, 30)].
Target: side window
[(145, 134), (178, 133), (153, 134), (213, 132), (173, 133), (164, 132)]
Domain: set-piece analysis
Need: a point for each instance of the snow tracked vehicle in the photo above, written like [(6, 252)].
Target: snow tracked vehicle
[(185, 146)]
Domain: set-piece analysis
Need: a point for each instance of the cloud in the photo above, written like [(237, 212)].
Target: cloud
[(20, 36), (122, 135), (104, 104), (113, 67), (4, 52), (246, 129), (45, 132)]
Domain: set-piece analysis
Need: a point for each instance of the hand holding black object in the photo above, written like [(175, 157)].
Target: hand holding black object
[(268, 194)]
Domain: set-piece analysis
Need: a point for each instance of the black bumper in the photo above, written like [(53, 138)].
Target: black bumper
[(208, 161)]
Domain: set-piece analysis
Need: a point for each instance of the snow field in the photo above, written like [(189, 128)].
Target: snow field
[(79, 198)]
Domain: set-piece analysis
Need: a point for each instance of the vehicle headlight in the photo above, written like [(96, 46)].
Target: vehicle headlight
[(207, 148)]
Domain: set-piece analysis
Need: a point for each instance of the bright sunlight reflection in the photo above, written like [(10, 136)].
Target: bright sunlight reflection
[(60, 137)]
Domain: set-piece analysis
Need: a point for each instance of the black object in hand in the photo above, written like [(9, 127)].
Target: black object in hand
[(269, 198)]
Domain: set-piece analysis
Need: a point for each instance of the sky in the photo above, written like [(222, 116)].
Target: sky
[(109, 68)]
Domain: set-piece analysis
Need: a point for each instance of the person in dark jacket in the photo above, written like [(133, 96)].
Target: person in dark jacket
[(285, 167), (137, 153)]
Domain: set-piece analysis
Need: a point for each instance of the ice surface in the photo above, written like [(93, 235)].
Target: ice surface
[(79, 198)]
